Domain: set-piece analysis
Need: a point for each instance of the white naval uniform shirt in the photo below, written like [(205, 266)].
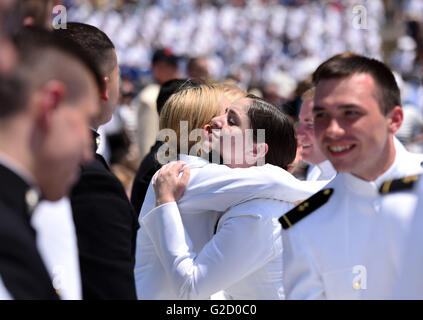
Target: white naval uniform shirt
[(322, 171), (410, 283), (399, 230), (326, 253), (57, 244), (4, 294), (212, 190), (244, 257)]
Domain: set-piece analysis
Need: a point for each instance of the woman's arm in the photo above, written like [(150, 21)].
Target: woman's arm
[(243, 243)]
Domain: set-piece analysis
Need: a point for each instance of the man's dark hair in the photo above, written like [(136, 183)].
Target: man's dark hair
[(165, 55), (279, 134), (95, 43), (43, 57), (347, 64), (170, 87)]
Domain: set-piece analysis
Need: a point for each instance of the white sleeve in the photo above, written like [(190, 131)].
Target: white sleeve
[(229, 256), (301, 277), (4, 294), (207, 190)]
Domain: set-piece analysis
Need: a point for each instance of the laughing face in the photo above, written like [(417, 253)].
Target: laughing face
[(350, 128), (305, 132)]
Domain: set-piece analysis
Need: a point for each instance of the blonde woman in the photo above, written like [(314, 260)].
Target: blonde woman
[(212, 190)]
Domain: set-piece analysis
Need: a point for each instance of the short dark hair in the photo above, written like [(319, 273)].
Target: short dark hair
[(170, 87), (94, 42), (35, 48), (279, 134), (165, 55), (347, 64)]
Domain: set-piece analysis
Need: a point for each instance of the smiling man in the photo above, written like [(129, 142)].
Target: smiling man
[(356, 114), (321, 168)]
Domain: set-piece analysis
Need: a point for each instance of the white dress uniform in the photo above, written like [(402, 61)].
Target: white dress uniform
[(327, 253), (398, 209), (410, 283), (212, 190), (244, 257), (399, 230), (322, 171), (4, 294), (57, 244)]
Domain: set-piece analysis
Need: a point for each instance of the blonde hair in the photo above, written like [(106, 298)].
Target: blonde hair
[(309, 94), (197, 106), (233, 92)]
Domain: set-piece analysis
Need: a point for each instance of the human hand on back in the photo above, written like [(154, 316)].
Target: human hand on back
[(168, 186)]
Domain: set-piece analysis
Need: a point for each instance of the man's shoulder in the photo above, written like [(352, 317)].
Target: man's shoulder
[(307, 210), (12, 223)]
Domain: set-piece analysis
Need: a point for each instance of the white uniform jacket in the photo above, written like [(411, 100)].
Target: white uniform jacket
[(326, 255), (212, 190), (4, 294), (399, 231), (322, 171), (244, 257)]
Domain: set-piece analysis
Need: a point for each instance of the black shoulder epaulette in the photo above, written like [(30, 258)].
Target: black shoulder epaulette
[(394, 185), (305, 208)]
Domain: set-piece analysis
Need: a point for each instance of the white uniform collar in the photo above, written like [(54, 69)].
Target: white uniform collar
[(194, 162), (403, 165), (327, 171)]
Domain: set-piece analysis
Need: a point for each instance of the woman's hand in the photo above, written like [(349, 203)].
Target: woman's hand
[(168, 186)]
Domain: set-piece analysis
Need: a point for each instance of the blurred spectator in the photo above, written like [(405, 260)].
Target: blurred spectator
[(164, 67), (198, 68), (38, 13)]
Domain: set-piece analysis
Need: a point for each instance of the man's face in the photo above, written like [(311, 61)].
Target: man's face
[(108, 107), (68, 143), (305, 132), (350, 129)]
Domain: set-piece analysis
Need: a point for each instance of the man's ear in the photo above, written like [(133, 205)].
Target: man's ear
[(260, 149), (104, 92), (395, 117), (50, 97), (28, 21)]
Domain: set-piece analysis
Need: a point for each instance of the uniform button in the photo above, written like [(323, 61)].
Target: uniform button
[(31, 198), (356, 285)]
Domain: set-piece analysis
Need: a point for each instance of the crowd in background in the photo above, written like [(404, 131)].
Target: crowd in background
[(266, 47)]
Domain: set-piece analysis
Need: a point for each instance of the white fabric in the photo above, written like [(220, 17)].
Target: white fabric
[(410, 282), (322, 171), (396, 218), (244, 257), (327, 251), (4, 294), (57, 244), (212, 190)]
